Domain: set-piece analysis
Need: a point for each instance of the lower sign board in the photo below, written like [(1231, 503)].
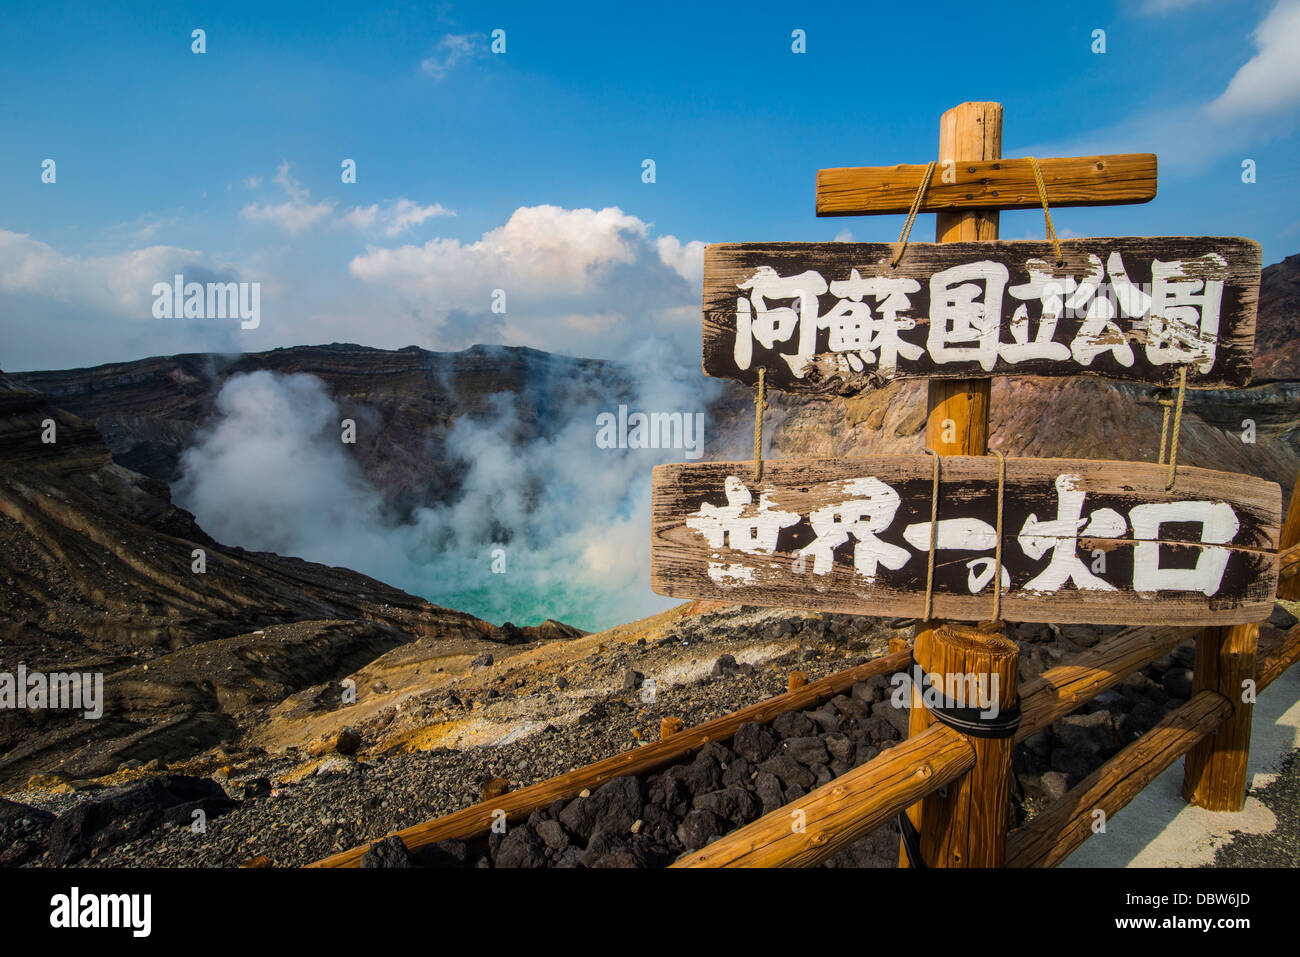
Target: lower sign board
[(828, 318), (1082, 541)]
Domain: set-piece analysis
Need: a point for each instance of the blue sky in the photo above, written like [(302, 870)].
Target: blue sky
[(522, 171)]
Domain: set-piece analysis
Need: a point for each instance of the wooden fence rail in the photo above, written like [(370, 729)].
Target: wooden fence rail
[(1067, 823), (833, 816), (475, 820), (1061, 690)]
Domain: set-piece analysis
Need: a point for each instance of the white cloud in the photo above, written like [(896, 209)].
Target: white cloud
[(396, 217), (252, 182), (290, 217), (452, 49), (1167, 6), (299, 213), (565, 250), (1259, 104), (294, 216), (687, 260), (1270, 81), (360, 217), (63, 310), (406, 213), (120, 283), (581, 281)]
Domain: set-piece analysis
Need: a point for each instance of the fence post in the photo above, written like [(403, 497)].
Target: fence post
[(1214, 774), (954, 830), (1290, 536), (957, 419), (965, 824)]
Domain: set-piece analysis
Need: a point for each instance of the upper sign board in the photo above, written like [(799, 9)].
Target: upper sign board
[(837, 318)]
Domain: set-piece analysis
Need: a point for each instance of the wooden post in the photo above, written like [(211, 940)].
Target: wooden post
[(1289, 537), (966, 826), (1214, 774), (958, 409)]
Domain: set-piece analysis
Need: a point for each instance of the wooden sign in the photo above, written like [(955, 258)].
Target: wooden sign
[(982, 184), (1082, 541), (836, 318)]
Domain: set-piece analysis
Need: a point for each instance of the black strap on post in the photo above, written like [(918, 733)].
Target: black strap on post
[(969, 721), (965, 720), (911, 841)]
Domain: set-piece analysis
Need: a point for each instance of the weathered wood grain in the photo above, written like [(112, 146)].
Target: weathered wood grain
[(1290, 537), (1276, 654), (957, 410), (1288, 566), (957, 423), (966, 824), (688, 500), (1113, 180), (820, 341), (1214, 774)]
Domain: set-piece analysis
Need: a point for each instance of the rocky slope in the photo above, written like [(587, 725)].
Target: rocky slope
[(1276, 355), (100, 573), (400, 756)]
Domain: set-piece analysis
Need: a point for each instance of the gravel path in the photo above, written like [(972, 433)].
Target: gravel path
[(1280, 847)]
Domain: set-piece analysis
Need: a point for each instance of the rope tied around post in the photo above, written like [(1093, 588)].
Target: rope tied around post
[(911, 214), (1047, 212), (1165, 437), (934, 538), (760, 405)]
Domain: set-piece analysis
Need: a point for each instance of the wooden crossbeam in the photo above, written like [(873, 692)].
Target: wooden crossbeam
[(1112, 180)]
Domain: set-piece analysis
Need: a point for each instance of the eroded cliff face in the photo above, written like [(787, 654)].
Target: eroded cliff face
[(405, 401), (1076, 418), (101, 574), (1277, 355)]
